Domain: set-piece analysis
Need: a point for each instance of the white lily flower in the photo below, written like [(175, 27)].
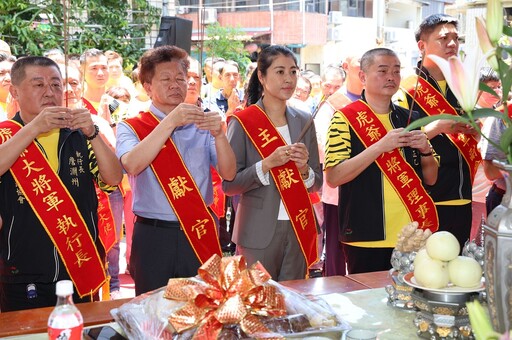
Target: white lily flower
[(494, 20), (485, 43), (462, 78)]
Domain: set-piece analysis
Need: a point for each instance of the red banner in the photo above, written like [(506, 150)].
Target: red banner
[(294, 193), (181, 191), (432, 102), (58, 214), (106, 222), (219, 198), (393, 165)]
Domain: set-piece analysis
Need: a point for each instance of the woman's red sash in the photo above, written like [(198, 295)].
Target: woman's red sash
[(266, 139)]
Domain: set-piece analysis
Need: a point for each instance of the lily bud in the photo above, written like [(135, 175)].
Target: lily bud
[(485, 44), (494, 20), (462, 77)]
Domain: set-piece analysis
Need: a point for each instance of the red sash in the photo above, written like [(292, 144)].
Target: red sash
[(432, 102), (266, 139), (181, 191), (106, 222), (57, 211), (393, 165), (88, 105), (219, 198)]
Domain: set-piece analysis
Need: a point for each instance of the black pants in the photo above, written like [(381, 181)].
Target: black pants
[(364, 260), (493, 198), (13, 296), (457, 220), (158, 254), (334, 257)]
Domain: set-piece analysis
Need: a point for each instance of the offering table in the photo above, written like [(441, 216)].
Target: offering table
[(96, 313)]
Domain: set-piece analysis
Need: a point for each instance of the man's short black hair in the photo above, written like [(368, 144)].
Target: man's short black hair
[(487, 74), (92, 52), (429, 24), (18, 68), (368, 58)]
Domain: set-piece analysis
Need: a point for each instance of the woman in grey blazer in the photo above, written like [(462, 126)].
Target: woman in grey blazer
[(263, 229)]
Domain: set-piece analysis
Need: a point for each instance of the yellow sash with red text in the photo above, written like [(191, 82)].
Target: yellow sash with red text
[(181, 191), (432, 102), (57, 211), (404, 180), (266, 139)]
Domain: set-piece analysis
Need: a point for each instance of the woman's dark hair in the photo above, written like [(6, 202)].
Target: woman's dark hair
[(265, 59)]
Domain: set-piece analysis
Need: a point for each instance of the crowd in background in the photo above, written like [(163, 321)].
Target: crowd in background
[(98, 81)]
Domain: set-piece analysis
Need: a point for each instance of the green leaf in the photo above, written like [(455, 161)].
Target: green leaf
[(110, 15), (427, 120), (506, 139), (507, 30), (485, 88), (480, 322), (484, 113)]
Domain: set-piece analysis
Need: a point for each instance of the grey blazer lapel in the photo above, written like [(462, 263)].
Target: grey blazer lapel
[(294, 124)]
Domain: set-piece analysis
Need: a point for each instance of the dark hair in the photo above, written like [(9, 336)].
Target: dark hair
[(213, 60), (368, 57), (7, 57), (429, 24), (92, 52), (229, 62), (52, 51), (487, 74), (18, 68), (135, 74), (119, 92), (160, 55), (265, 60), (308, 74), (333, 70), (113, 55), (306, 80)]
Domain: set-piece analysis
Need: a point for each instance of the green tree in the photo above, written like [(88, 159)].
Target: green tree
[(117, 25), (226, 42)]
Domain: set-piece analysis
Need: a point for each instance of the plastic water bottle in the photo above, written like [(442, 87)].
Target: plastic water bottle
[(65, 322)]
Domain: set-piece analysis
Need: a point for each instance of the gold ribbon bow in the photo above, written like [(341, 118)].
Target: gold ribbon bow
[(230, 293)]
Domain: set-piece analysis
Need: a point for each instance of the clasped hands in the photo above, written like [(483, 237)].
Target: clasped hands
[(399, 138), (185, 114), (297, 153), (59, 117)]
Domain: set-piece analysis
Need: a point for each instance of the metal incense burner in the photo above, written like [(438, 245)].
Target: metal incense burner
[(443, 315)]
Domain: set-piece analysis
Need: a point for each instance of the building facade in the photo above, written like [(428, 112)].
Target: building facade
[(320, 32)]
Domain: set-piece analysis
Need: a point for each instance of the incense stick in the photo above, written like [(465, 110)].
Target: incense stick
[(310, 121)]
